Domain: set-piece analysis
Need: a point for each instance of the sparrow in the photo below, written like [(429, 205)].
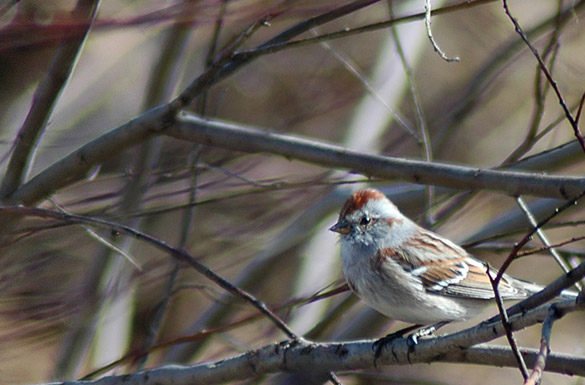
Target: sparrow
[(412, 274)]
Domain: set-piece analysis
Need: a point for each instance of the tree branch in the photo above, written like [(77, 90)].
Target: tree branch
[(300, 356), (246, 139), (45, 98), (239, 138), (74, 166), (179, 254)]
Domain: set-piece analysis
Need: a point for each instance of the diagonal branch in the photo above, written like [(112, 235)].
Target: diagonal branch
[(574, 123), (178, 254), (74, 166), (44, 100)]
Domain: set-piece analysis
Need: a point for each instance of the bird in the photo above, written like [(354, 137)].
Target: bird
[(412, 274)]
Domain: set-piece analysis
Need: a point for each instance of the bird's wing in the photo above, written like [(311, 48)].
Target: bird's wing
[(449, 270)]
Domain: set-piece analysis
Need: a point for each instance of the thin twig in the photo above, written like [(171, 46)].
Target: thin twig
[(506, 324), (430, 35), (102, 239), (548, 76), (346, 32), (566, 268), (551, 291), (179, 254), (581, 102), (474, 89), (529, 235), (550, 246), (538, 369)]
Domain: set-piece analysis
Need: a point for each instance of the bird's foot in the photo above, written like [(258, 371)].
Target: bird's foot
[(378, 346)]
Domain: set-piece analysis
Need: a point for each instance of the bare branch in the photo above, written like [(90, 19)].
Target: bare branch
[(551, 291), (436, 47), (505, 321), (574, 122), (519, 245), (534, 223), (176, 253), (74, 166), (539, 365), (246, 139), (301, 356), (45, 98)]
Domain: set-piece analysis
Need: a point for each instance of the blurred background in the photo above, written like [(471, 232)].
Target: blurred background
[(70, 304)]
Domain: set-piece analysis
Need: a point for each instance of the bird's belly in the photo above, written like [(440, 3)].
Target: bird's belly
[(397, 298)]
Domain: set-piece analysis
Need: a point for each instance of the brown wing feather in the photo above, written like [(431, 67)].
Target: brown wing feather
[(450, 270)]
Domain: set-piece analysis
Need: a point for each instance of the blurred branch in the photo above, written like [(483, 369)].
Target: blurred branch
[(302, 356), (178, 254), (534, 223), (227, 61), (277, 46), (73, 167), (548, 75), (474, 88), (417, 110), (44, 100)]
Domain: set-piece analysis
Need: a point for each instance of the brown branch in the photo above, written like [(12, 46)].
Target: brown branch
[(551, 291), (538, 369), (548, 75), (518, 246), (507, 326), (46, 96), (176, 253)]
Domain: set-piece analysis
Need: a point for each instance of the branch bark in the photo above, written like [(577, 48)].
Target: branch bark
[(302, 356), (74, 166), (246, 139)]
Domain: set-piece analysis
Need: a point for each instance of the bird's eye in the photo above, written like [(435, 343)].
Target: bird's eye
[(365, 221)]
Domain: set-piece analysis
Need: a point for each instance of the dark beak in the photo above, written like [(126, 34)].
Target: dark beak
[(341, 227)]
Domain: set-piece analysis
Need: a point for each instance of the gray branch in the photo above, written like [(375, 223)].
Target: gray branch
[(307, 357), (74, 166), (246, 139)]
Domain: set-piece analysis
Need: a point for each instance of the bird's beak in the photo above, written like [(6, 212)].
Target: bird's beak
[(341, 227)]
